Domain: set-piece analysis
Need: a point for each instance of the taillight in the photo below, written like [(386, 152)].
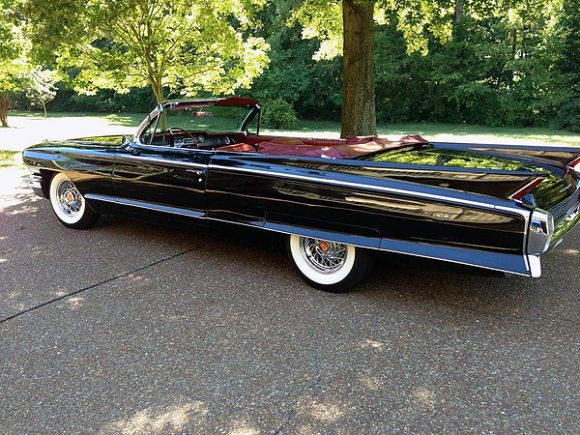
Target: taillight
[(540, 232), (519, 194), (575, 164)]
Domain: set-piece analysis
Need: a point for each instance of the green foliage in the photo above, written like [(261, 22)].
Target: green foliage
[(140, 100), (176, 45), (278, 113), (9, 158), (13, 59), (494, 71), (13, 52), (491, 63), (569, 117), (503, 63), (312, 87)]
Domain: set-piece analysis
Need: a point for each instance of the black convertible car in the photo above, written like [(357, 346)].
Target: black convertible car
[(492, 206)]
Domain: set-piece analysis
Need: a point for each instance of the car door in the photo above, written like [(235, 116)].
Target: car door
[(162, 178)]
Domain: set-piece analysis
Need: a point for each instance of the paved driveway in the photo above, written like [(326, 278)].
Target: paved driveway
[(172, 329)]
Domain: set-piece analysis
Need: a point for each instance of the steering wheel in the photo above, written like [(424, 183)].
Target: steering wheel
[(171, 132)]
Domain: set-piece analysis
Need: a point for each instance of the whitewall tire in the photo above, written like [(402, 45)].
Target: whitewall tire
[(326, 265), (69, 205)]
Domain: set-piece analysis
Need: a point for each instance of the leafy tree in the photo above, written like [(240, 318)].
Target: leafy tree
[(347, 28), (466, 61), (41, 87), (567, 63), (13, 59), (450, 60), (170, 45), (310, 85)]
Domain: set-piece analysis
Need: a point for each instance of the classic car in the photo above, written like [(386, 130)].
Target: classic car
[(497, 207)]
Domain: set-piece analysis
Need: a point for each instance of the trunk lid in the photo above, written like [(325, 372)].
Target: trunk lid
[(539, 175)]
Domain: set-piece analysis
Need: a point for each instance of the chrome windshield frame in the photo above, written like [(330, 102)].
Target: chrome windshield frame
[(153, 116)]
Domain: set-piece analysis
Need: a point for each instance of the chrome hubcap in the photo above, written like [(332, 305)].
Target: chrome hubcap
[(70, 200), (326, 257)]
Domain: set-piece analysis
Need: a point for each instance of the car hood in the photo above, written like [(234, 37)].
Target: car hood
[(89, 142)]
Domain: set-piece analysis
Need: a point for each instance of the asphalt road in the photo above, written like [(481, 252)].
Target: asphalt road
[(174, 329)]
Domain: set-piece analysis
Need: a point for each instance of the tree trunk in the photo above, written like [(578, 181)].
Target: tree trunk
[(4, 102), (358, 89), (44, 109), (157, 90)]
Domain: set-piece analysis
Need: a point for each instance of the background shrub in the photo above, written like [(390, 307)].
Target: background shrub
[(278, 113), (570, 116)]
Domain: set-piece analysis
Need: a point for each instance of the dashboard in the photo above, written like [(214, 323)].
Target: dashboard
[(186, 139)]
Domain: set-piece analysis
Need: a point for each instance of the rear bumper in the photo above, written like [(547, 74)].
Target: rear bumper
[(567, 216), (565, 225)]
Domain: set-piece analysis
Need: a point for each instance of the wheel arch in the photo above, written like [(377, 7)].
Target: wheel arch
[(46, 176)]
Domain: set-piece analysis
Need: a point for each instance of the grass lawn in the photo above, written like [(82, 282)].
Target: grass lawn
[(29, 128), (452, 133), (9, 158)]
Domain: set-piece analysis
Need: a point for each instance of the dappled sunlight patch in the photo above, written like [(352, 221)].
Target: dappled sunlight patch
[(306, 429), (74, 302), (371, 344), (371, 382), (424, 397), (58, 293), (322, 412), (175, 418), (12, 294), (15, 192), (138, 279), (571, 251), (25, 209), (3, 260), (243, 429)]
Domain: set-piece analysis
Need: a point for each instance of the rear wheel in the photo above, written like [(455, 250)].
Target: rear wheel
[(328, 266), (68, 204)]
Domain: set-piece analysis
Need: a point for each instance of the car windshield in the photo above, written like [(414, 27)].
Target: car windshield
[(207, 118)]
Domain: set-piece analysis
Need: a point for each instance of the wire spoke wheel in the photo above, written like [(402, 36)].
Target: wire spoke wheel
[(328, 265), (70, 200), (326, 257), (69, 205)]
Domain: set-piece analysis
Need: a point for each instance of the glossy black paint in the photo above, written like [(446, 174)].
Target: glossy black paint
[(171, 177), (361, 211), (408, 205)]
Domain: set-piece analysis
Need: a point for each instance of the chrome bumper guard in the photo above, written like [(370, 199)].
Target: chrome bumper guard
[(35, 183)]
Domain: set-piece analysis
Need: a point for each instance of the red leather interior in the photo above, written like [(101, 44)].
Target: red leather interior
[(413, 138), (238, 148), (348, 148), (270, 148)]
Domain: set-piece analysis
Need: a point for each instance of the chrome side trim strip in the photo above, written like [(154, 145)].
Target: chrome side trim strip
[(277, 229), (104, 198), (163, 161), (385, 189), (386, 245), (148, 206)]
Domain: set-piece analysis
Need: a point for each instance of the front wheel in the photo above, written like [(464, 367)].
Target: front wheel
[(68, 204), (328, 266)]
